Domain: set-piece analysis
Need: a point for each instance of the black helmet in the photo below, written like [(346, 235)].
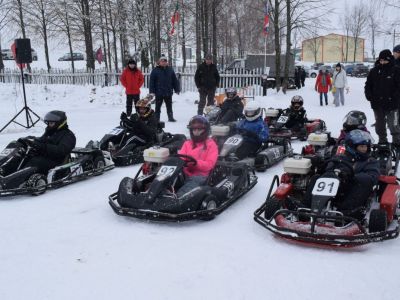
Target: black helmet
[(297, 102), (58, 117), (355, 119), (230, 93), (199, 122)]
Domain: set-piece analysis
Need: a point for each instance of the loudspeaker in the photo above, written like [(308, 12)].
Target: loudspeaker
[(23, 51)]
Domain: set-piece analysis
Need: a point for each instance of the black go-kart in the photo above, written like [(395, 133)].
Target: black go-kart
[(277, 118), (285, 214), (80, 164), (127, 149), (152, 194), (270, 152)]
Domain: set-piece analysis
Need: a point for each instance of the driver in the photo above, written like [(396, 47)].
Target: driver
[(231, 108), (296, 113), (203, 149), (357, 170), (47, 151), (254, 131), (143, 124), (355, 119)]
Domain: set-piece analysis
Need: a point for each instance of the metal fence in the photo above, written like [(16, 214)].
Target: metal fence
[(250, 81)]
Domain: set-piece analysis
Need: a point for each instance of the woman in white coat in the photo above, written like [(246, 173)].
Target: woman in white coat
[(339, 84)]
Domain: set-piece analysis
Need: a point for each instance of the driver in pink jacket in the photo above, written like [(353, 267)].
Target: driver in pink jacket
[(203, 149)]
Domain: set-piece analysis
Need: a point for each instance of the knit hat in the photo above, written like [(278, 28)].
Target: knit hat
[(386, 55), (338, 65), (208, 56), (163, 57), (396, 48), (131, 61)]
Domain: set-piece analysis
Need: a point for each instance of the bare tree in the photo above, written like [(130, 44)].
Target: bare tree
[(5, 8), (359, 20), (374, 22)]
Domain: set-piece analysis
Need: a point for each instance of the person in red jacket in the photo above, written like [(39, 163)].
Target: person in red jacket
[(132, 79), (322, 85), (202, 148)]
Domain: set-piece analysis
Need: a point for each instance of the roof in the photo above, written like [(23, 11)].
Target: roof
[(330, 34)]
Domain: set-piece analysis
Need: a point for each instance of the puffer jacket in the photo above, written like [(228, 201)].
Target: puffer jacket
[(206, 154), (258, 127), (132, 80), (163, 82), (382, 88), (319, 86), (340, 79), (206, 76)]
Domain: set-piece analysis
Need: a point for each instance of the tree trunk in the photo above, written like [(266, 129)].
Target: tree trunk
[(87, 27), (214, 29), (198, 32), (46, 46), (183, 39), (288, 45), (277, 46), (103, 37)]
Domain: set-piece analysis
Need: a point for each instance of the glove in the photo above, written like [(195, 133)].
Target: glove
[(134, 118), (38, 146), (124, 117)]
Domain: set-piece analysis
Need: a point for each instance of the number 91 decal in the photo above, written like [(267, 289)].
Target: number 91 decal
[(326, 187)]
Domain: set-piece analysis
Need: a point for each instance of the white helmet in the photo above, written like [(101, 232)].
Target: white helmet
[(252, 110)]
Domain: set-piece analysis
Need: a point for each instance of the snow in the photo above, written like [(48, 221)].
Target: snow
[(69, 244)]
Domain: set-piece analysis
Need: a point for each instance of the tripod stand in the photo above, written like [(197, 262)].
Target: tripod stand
[(29, 121)]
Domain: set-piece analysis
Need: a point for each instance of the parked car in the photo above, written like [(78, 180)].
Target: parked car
[(8, 55), (313, 72), (360, 70), (75, 56), (349, 69)]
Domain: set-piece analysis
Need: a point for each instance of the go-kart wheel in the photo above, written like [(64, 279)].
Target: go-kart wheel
[(208, 203), (377, 220), (188, 160), (272, 205), (98, 165), (38, 182)]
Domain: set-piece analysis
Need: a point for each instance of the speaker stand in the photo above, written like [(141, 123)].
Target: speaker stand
[(29, 121)]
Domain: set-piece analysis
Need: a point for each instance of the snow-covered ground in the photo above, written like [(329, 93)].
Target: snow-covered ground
[(69, 244)]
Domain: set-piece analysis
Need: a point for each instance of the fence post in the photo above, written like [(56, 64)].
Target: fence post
[(105, 79), (179, 76)]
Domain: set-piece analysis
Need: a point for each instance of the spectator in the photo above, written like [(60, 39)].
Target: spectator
[(297, 77), (322, 85), (382, 90), (132, 79), (303, 76), (207, 80), (163, 83), (339, 84), (396, 54)]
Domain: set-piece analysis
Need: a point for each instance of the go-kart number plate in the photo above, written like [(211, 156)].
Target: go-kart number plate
[(234, 140), (116, 131), (283, 119), (326, 187), (166, 170)]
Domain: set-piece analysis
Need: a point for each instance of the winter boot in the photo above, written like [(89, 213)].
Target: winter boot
[(171, 117)]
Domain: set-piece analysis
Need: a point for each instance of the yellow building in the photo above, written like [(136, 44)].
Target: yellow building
[(332, 48)]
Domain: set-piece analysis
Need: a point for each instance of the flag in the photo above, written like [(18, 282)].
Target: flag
[(99, 55), (175, 18), (266, 18)]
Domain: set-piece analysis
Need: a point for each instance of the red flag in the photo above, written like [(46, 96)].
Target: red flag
[(99, 55), (14, 51), (266, 18), (175, 18)]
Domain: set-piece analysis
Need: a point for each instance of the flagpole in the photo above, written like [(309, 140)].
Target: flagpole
[(265, 55)]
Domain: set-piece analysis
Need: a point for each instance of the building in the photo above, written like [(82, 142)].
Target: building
[(332, 48)]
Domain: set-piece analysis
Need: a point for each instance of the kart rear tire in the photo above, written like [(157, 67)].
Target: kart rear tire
[(98, 163), (377, 221), (38, 182), (208, 203), (272, 205)]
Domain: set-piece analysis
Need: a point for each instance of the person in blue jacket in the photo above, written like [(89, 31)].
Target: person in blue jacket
[(254, 130), (163, 82)]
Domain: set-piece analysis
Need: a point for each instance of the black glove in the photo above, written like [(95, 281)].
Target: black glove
[(124, 116), (39, 147), (134, 118)]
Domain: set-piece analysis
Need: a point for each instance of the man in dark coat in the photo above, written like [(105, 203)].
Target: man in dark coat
[(207, 80), (297, 77), (163, 83), (382, 90), (49, 150), (303, 76)]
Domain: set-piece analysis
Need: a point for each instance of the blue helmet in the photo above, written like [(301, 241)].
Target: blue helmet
[(356, 138)]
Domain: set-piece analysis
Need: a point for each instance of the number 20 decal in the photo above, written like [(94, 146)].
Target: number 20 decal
[(326, 187)]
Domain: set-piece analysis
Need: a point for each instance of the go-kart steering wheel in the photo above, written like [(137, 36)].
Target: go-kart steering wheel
[(189, 161)]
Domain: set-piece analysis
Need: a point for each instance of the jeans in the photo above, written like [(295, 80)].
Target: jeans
[(190, 183), (326, 98), (339, 94)]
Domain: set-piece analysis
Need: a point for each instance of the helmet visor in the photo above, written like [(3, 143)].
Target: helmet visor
[(52, 117)]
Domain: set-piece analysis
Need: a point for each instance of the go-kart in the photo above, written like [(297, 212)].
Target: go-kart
[(270, 152), (285, 214), (152, 194), (126, 148), (276, 119), (80, 164)]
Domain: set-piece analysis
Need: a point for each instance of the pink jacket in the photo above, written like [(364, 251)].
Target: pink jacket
[(206, 155)]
